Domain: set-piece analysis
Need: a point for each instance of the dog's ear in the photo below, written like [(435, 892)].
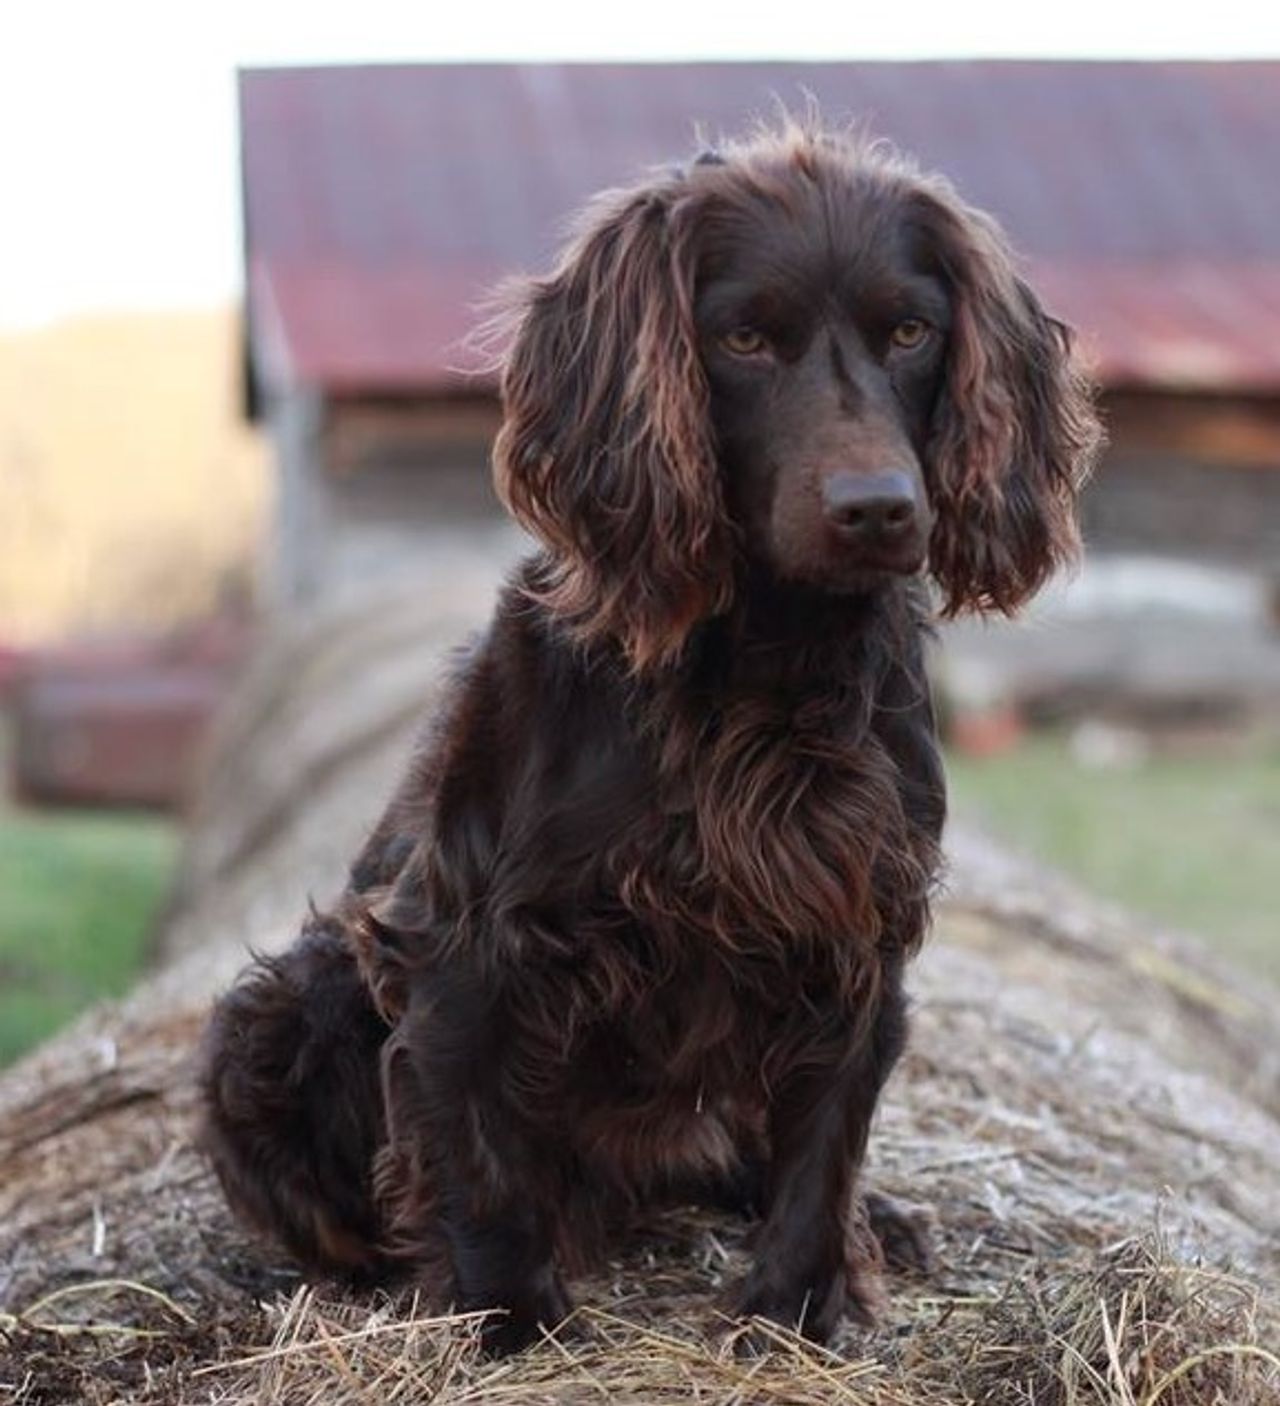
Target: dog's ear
[(1015, 434), (605, 451)]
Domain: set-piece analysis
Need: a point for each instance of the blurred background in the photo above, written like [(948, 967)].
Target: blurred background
[(241, 251)]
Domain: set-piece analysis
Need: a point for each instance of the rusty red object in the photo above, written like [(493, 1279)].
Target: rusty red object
[(120, 723), (13, 661), (382, 202)]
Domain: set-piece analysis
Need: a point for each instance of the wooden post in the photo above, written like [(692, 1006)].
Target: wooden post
[(301, 521)]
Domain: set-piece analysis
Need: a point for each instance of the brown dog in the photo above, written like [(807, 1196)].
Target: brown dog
[(635, 923)]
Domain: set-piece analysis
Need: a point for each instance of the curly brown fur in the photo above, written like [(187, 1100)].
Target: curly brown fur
[(636, 921), (290, 1082)]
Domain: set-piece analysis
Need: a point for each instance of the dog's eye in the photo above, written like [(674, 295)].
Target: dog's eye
[(744, 341), (910, 333)]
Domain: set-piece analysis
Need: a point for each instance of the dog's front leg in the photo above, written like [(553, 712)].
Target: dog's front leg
[(813, 1256), (492, 1169)]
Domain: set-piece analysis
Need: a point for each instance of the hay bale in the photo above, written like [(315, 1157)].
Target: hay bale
[(1089, 1109)]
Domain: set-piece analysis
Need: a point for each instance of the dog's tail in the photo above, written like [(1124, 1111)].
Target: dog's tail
[(293, 1115)]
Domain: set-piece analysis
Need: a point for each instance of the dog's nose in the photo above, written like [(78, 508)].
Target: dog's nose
[(878, 509)]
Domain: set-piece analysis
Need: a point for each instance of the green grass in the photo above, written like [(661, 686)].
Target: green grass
[(79, 894), (1191, 841)]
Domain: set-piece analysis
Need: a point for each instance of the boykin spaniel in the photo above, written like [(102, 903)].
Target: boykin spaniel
[(634, 924)]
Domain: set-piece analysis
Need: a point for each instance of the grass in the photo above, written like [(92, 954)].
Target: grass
[(1191, 840), (81, 891)]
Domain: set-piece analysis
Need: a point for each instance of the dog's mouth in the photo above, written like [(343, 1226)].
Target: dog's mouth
[(901, 558), (864, 580), (846, 568), (839, 574)]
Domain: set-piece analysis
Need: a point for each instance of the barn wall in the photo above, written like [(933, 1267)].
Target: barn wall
[(411, 461), (367, 486), (1175, 506), (1194, 477)]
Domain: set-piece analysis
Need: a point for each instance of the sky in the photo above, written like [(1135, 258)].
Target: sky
[(118, 178)]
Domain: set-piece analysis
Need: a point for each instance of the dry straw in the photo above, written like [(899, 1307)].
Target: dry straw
[(1131, 1325)]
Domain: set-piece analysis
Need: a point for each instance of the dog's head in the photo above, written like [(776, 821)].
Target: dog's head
[(800, 355)]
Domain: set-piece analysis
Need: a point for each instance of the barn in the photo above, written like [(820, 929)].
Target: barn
[(383, 203)]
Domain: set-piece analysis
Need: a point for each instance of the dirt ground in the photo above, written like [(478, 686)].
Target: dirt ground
[(1091, 1113)]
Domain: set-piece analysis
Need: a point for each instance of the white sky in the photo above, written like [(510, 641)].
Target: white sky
[(118, 182)]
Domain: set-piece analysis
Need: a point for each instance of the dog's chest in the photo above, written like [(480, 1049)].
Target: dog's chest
[(669, 1080), (772, 828)]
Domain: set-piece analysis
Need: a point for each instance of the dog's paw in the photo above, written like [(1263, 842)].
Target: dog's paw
[(905, 1234), (742, 1191), (866, 1302), (524, 1319), (811, 1308)]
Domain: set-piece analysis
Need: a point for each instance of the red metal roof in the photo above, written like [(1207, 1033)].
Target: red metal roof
[(381, 203)]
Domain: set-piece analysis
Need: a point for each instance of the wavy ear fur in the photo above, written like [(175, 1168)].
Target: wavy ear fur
[(605, 452), (1015, 435)]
